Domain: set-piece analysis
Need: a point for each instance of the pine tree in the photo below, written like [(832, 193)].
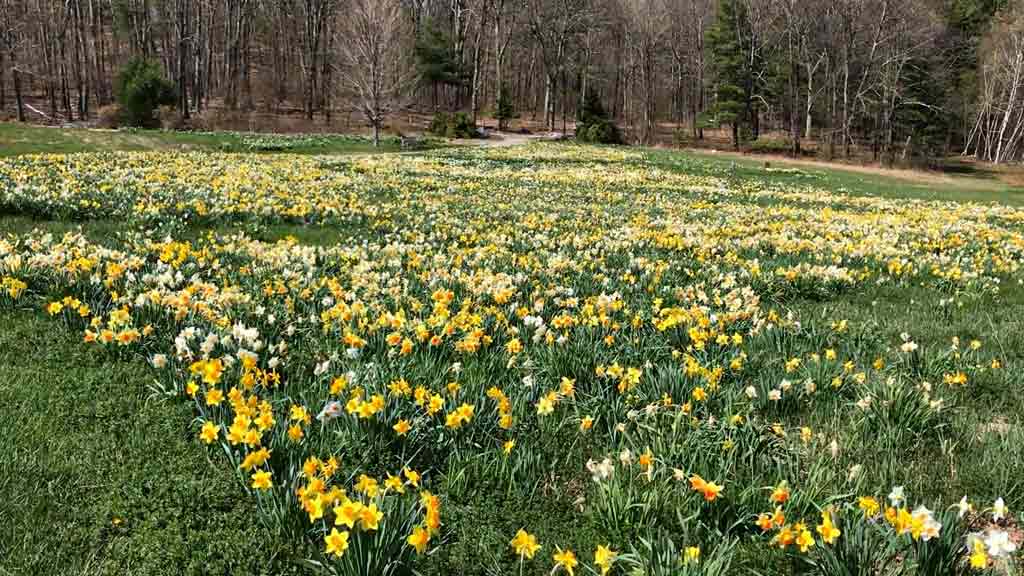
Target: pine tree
[(437, 62), (729, 43), (505, 111), (593, 124), (923, 120)]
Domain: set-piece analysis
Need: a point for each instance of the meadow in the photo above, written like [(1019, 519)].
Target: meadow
[(539, 359)]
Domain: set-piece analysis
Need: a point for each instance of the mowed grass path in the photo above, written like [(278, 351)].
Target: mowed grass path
[(98, 477)]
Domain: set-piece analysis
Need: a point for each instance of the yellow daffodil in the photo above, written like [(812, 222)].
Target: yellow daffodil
[(525, 544)]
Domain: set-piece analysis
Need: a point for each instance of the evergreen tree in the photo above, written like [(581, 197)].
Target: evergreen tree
[(729, 45), (505, 111), (437, 61), (922, 116), (141, 89), (593, 124)]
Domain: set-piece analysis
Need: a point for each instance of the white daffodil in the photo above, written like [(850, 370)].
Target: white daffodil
[(999, 544), (999, 509), (896, 496)]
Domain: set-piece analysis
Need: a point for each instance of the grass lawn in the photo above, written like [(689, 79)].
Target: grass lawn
[(649, 351), (974, 185), (18, 139), (99, 477)]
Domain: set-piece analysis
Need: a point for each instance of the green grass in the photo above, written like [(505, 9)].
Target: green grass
[(97, 477), (975, 186), (882, 314), (18, 139)]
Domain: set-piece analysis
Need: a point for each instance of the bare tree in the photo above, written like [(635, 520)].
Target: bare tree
[(998, 132), (316, 15), (909, 32), (375, 74), (478, 14), (854, 69), (552, 24), (504, 18), (794, 25), (688, 21), (10, 39), (646, 26)]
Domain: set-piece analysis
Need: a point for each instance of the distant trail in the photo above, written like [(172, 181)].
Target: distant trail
[(506, 139), (494, 140)]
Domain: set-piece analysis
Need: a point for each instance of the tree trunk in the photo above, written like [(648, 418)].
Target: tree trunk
[(549, 122), (17, 95), (499, 55), (794, 91), (3, 79), (846, 103), (475, 94), (810, 101), (182, 29)]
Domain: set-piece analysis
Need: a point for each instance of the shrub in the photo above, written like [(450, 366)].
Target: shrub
[(771, 145), (169, 118), (603, 133), (219, 119), (109, 116), (594, 125), (439, 123), (465, 127), (505, 111), (458, 125), (600, 132), (141, 89)]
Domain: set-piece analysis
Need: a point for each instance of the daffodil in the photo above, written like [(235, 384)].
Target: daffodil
[(804, 540), (604, 557), (337, 543), (565, 559), (402, 427), (261, 481), (826, 529), (979, 556), (370, 517), (348, 513), (209, 432), (869, 506), (525, 544), (780, 494), (999, 510), (419, 539)]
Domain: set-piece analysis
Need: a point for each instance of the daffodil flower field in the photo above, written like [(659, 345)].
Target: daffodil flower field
[(556, 359)]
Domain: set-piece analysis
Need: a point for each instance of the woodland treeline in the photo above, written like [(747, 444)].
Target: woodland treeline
[(896, 79)]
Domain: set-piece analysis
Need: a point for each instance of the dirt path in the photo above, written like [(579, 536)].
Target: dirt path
[(505, 139)]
